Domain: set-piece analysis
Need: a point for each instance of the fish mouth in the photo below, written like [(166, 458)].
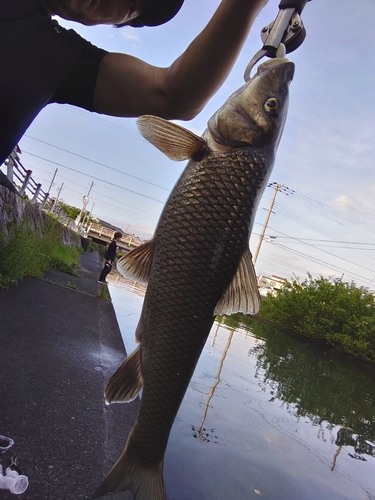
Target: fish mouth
[(273, 63), (244, 120)]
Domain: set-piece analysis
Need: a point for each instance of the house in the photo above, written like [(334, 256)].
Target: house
[(270, 285)]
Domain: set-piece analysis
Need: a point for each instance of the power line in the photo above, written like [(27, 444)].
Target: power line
[(97, 162), (108, 150), (328, 253), (319, 261), (93, 177), (321, 207), (120, 206)]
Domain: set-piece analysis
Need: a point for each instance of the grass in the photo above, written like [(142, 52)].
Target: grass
[(65, 259), (29, 251), (72, 285), (104, 293)]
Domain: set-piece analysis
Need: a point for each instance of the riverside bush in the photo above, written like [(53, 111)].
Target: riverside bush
[(328, 309), (25, 251)]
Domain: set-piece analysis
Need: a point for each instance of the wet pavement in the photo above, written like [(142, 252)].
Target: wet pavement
[(59, 344)]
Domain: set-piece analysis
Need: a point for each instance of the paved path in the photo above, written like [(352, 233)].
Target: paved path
[(59, 344)]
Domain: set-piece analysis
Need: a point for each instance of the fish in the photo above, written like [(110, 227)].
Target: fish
[(197, 265)]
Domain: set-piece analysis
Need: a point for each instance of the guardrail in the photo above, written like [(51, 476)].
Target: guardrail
[(98, 231), (21, 178), (126, 242), (28, 188)]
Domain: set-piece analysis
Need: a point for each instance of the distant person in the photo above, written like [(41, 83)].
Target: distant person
[(43, 63), (109, 257)]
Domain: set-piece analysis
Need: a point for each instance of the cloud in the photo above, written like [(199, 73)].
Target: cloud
[(344, 202), (130, 34)]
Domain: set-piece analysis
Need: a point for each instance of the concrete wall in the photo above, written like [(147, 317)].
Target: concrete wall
[(14, 209)]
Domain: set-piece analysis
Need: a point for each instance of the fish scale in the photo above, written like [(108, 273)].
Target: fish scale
[(200, 286), (197, 265)]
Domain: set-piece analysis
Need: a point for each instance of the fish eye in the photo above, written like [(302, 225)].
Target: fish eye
[(271, 104)]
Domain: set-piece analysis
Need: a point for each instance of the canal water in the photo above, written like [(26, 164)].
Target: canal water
[(267, 416)]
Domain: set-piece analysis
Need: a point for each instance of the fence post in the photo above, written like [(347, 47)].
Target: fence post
[(10, 165), (25, 182), (44, 201), (36, 194)]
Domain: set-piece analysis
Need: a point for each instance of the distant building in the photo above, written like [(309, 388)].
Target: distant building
[(270, 285), (274, 281), (109, 226)]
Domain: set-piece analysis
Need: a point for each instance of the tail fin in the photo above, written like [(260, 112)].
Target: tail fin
[(127, 381), (144, 483)]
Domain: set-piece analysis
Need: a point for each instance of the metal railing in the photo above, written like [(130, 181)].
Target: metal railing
[(32, 191), (21, 178), (96, 230)]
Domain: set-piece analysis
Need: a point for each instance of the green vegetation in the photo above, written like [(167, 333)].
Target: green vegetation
[(25, 251), (70, 211), (73, 212), (329, 310), (314, 381), (102, 249), (72, 285), (104, 293), (93, 247)]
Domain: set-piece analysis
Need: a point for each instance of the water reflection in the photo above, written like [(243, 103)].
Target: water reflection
[(201, 432), (268, 414), (316, 384), (117, 280)]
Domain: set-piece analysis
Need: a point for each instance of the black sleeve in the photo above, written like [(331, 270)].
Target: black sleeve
[(40, 62), (78, 87)]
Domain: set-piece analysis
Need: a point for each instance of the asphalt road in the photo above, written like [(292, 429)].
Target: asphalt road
[(59, 344)]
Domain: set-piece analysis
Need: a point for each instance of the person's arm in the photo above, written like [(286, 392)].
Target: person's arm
[(127, 86)]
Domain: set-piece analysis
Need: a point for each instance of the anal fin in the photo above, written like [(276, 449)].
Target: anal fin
[(127, 381), (242, 294)]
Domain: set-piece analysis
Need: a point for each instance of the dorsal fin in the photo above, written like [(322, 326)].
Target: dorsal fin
[(242, 294), (174, 141), (136, 264)]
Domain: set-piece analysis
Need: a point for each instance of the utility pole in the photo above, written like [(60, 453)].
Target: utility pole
[(90, 189), (277, 187), (57, 197), (53, 178)]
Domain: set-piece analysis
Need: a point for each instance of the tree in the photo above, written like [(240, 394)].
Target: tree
[(328, 309), (70, 211), (73, 212)]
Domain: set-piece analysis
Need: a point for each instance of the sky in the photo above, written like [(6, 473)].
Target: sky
[(322, 221)]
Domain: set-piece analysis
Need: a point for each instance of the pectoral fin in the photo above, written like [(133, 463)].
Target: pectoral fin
[(136, 264), (174, 141), (242, 295)]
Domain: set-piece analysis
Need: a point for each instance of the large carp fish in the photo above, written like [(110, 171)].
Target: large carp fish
[(198, 264)]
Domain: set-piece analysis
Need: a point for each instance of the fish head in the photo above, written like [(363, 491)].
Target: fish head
[(255, 114)]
